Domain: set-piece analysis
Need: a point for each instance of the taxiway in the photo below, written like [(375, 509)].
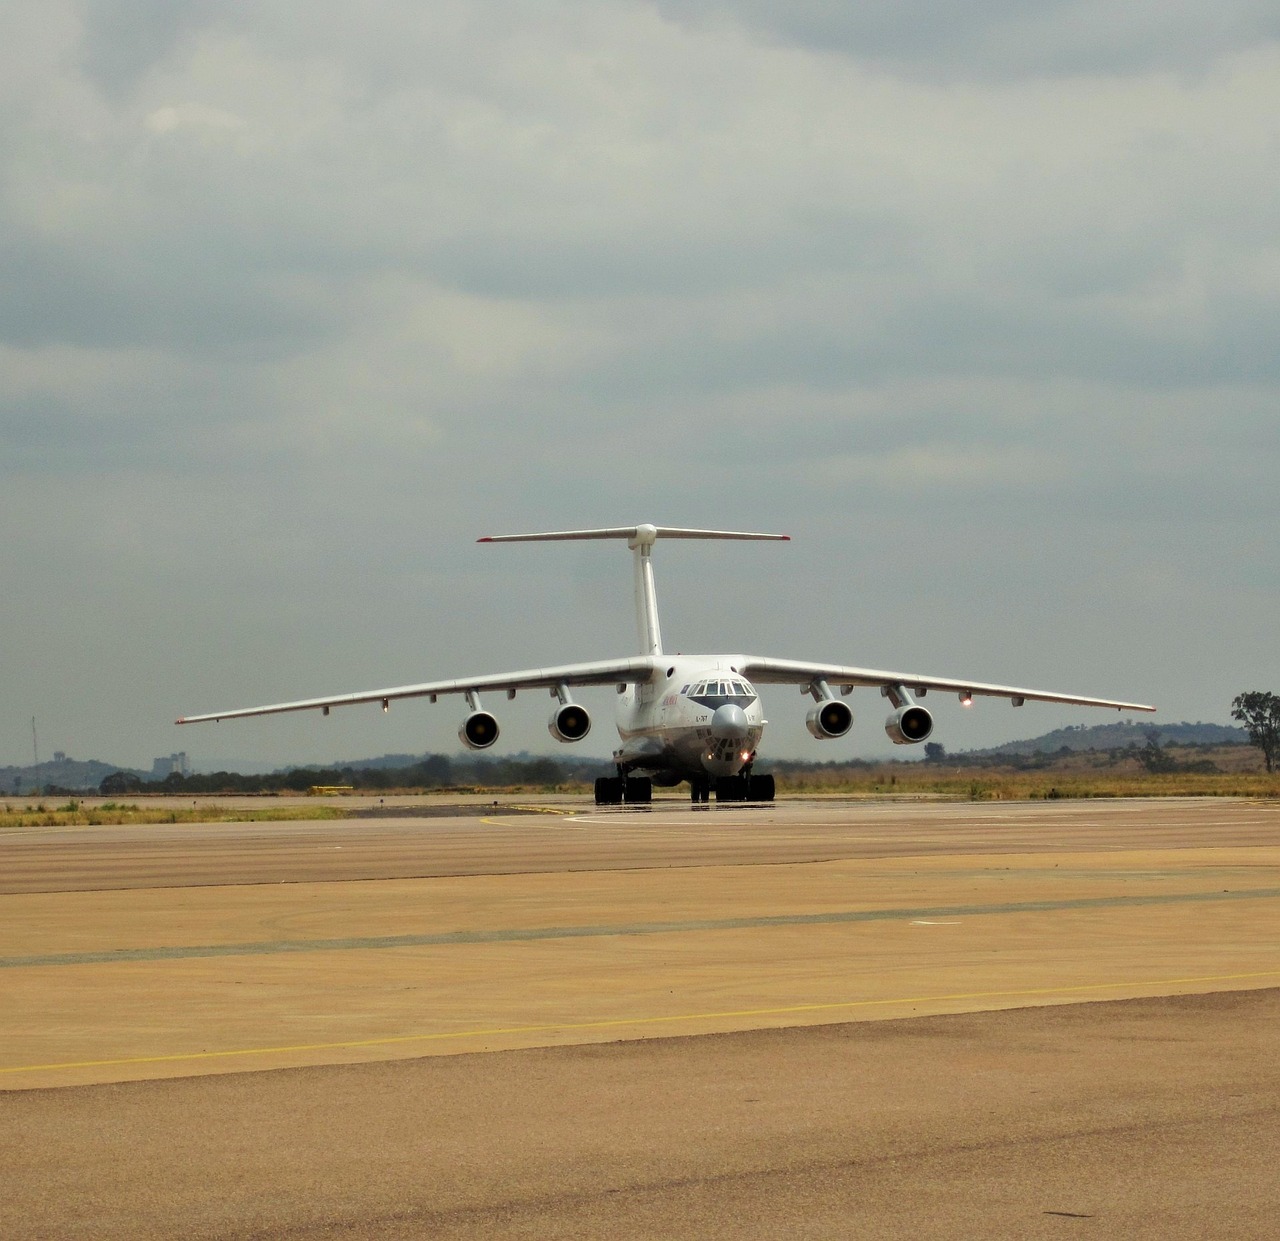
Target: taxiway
[(689, 1020)]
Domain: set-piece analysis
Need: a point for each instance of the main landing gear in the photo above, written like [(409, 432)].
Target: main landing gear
[(733, 788), (614, 790), (638, 790)]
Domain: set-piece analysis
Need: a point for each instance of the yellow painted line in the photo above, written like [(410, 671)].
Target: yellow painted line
[(563, 810), (614, 1023)]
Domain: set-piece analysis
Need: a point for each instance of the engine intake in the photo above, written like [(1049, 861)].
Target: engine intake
[(908, 725), (479, 731), (569, 722), (829, 719)]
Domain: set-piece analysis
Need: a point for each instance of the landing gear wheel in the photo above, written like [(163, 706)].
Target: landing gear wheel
[(637, 790), (760, 788), (731, 788), (608, 791)]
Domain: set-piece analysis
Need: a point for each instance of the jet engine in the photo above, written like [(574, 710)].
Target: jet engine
[(569, 722), (909, 724), (830, 718), (479, 731)]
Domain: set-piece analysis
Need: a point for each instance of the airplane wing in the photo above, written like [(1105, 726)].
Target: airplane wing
[(605, 672), (794, 672)]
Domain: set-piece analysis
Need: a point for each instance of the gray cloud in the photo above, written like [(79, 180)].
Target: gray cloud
[(295, 302), (122, 42), (1007, 38)]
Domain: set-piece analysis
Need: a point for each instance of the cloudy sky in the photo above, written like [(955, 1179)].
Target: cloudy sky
[(979, 302)]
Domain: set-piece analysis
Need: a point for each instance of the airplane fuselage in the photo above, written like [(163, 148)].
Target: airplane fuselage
[(699, 718)]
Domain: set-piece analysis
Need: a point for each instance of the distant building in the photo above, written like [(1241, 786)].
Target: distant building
[(174, 764), (59, 756)]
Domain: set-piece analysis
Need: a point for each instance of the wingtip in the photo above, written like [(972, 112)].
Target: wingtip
[(487, 539)]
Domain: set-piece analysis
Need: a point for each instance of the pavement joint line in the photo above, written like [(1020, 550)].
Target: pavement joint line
[(615, 1022), (532, 934)]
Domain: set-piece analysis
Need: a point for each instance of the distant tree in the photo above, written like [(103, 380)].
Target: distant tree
[(934, 751), (119, 782), (1153, 758), (1259, 712)]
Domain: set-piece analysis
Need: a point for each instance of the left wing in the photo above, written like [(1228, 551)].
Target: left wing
[(603, 672), (793, 672)]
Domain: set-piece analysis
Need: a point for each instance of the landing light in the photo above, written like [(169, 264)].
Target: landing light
[(966, 699)]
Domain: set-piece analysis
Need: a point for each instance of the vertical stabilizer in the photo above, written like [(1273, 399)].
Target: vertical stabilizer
[(648, 629), (640, 539)]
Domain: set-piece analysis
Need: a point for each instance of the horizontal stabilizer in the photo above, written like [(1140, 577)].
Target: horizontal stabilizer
[(634, 534)]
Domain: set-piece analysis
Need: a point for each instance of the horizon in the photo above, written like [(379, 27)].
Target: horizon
[(571, 755)]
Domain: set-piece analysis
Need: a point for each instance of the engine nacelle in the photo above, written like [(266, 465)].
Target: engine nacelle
[(569, 722), (909, 724), (829, 719), (479, 731)]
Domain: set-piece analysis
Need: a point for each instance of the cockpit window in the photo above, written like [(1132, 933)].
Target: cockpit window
[(714, 694)]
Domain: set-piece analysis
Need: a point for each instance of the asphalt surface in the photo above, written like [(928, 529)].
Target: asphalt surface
[(664, 1025)]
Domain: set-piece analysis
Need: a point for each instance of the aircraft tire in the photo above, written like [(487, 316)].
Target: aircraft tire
[(731, 788), (608, 791), (637, 790), (760, 788)]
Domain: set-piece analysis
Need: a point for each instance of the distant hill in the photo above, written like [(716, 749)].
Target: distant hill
[(77, 776), (81, 776), (1119, 737)]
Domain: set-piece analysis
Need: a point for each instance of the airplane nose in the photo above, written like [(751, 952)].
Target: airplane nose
[(729, 723)]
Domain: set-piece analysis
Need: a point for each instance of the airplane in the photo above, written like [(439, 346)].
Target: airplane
[(694, 718)]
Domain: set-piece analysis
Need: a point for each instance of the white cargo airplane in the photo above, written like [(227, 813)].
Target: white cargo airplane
[(684, 717)]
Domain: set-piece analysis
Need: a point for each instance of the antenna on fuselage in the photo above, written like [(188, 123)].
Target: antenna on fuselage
[(640, 539)]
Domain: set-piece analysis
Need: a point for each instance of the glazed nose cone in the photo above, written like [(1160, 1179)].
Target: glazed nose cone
[(729, 723)]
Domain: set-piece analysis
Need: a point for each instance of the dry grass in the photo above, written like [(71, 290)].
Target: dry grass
[(76, 814), (988, 784)]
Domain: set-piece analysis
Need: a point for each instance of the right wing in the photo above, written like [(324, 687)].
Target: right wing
[(602, 672), (764, 671)]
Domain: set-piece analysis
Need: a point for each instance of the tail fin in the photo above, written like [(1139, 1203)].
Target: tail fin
[(640, 539)]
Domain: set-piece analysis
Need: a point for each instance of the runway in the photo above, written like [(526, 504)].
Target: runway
[(605, 959)]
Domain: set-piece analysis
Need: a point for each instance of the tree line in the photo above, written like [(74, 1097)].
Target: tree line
[(433, 771)]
